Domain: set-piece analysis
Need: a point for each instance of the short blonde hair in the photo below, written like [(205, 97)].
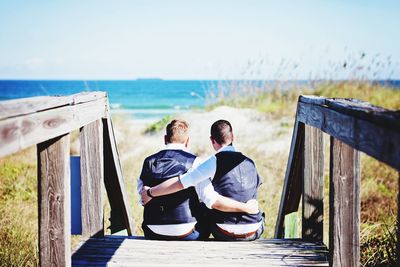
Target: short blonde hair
[(177, 131)]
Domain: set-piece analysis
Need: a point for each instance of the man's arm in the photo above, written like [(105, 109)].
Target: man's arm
[(207, 194), (204, 171), (230, 205)]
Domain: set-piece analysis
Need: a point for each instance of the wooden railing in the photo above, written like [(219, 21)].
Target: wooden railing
[(353, 126), (47, 122)]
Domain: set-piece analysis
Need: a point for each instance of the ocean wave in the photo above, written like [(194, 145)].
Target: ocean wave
[(115, 105), (145, 111), (147, 106)]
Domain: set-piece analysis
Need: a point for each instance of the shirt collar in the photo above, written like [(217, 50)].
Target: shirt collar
[(175, 146), (229, 148)]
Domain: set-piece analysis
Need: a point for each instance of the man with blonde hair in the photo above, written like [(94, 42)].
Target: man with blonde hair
[(174, 216)]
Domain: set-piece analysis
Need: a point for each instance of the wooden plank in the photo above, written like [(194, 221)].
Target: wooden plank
[(92, 177), (357, 108), (114, 182), (54, 202), (20, 132), (291, 192), (131, 252), (24, 106), (366, 111), (313, 184), (344, 205), (363, 135), (312, 99)]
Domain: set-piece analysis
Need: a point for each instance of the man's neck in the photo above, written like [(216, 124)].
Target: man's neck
[(175, 146)]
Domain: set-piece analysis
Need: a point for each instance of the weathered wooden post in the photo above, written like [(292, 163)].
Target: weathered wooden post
[(344, 205), (54, 202), (114, 183), (92, 179), (313, 184), (292, 189)]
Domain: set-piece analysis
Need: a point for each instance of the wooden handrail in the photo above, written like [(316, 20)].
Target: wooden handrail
[(29, 121), (367, 128), (354, 126), (47, 121)]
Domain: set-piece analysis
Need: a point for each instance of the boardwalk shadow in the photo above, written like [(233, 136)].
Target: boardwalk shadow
[(99, 251), (313, 225)]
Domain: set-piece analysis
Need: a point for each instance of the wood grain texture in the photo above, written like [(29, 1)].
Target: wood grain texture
[(366, 111), (313, 184), (20, 132), (292, 191), (375, 140), (25, 106), (54, 202), (92, 179), (139, 252), (357, 108), (344, 206), (114, 182)]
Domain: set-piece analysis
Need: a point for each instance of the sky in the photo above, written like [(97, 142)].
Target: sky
[(204, 39)]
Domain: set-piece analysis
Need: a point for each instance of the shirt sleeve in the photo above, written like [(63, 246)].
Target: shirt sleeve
[(207, 194), (205, 170)]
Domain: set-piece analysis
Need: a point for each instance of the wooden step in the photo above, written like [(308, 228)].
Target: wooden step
[(136, 251)]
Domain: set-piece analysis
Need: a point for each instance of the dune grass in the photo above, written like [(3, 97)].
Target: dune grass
[(18, 209)]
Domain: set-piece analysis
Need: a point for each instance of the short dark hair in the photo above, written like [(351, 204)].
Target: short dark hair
[(177, 131), (221, 132)]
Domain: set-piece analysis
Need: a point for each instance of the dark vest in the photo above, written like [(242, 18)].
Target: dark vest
[(236, 177), (174, 208)]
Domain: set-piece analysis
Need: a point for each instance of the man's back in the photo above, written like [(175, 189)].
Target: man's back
[(174, 208), (235, 177)]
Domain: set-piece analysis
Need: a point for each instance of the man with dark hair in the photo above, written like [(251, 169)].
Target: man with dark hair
[(174, 216), (232, 175)]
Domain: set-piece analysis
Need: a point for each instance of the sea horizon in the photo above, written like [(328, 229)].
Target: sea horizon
[(146, 99)]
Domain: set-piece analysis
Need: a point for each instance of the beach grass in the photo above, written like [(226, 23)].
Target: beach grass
[(18, 208), (158, 125)]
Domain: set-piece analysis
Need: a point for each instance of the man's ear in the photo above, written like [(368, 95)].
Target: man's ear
[(233, 138), (165, 140), (212, 140)]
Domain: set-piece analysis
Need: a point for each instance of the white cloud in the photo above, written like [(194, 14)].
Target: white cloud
[(34, 63)]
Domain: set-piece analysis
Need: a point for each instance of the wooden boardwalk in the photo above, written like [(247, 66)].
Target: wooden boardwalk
[(131, 251)]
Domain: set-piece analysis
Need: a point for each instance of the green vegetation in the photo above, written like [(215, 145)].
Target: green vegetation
[(278, 103), (18, 209), (159, 125)]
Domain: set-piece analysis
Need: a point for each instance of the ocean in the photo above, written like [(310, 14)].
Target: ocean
[(142, 99), (147, 99)]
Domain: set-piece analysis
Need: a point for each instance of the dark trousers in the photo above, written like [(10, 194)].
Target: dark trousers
[(148, 234)]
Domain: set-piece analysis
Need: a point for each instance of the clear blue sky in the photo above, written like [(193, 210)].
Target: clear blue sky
[(195, 39)]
